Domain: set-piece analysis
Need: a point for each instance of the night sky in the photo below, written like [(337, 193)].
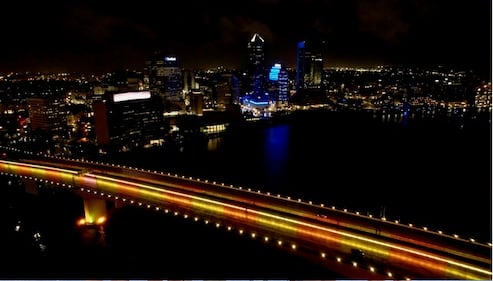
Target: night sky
[(101, 36)]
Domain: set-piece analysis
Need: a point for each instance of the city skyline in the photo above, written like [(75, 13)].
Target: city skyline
[(96, 37)]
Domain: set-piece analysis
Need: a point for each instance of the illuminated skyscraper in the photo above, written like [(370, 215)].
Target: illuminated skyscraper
[(309, 66), (256, 66), (124, 121), (164, 75), (48, 114), (279, 85)]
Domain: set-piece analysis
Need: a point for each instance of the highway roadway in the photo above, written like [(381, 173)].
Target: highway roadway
[(352, 244)]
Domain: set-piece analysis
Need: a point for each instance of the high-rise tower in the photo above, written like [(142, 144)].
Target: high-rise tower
[(256, 66), (164, 76), (309, 66)]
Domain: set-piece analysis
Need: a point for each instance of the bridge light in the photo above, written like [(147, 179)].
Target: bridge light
[(241, 231), (101, 220), (338, 259), (372, 269), (229, 228), (456, 236), (322, 255), (266, 238), (293, 246), (196, 219), (279, 242), (389, 274), (185, 216), (345, 210), (355, 264), (218, 224), (253, 235), (472, 240), (425, 228), (321, 205), (81, 222)]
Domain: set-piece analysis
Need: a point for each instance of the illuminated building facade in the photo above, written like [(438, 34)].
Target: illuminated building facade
[(309, 66), (48, 114), (124, 121), (482, 98), (279, 85), (197, 101), (256, 66), (227, 90), (164, 76)]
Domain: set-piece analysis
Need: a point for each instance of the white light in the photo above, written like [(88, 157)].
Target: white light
[(131, 96)]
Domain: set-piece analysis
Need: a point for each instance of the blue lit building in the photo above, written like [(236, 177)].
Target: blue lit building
[(278, 85)]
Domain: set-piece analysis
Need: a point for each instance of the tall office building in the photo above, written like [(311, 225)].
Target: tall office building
[(279, 85), (309, 66), (227, 90), (164, 77), (124, 121), (48, 114), (256, 65)]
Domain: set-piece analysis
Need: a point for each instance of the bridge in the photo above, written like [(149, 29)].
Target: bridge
[(349, 243)]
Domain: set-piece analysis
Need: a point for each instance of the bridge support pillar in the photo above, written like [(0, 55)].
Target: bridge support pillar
[(95, 210)]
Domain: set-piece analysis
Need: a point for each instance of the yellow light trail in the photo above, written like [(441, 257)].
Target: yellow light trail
[(33, 168), (297, 222)]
